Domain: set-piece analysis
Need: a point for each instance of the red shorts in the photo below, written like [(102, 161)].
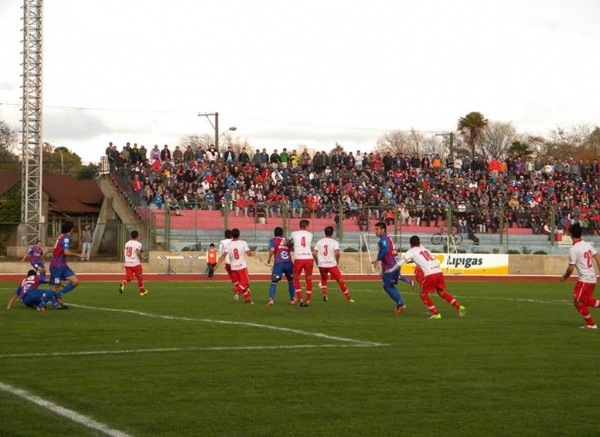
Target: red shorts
[(583, 291), (419, 275), (131, 271), (434, 282), (333, 271), (229, 271), (241, 277), (303, 264)]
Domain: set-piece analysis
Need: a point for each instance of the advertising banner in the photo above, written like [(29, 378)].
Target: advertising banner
[(468, 264)]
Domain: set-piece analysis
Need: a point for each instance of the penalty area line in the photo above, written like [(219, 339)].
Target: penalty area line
[(228, 322), (62, 411), (186, 349)]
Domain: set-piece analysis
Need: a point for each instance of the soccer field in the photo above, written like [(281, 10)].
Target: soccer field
[(189, 360)]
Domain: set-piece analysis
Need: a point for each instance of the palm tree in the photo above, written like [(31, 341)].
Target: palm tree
[(471, 128)]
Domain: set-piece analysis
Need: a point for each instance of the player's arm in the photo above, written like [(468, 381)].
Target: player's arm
[(221, 259), (315, 254), (337, 256), (271, 254), (398, 265), (14, 297), (383, 250), (569, 271), (69, 252)]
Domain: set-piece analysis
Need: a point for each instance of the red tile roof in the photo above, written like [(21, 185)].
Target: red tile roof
[(66, 194)]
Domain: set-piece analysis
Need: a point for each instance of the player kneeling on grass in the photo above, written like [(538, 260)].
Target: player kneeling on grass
[(133, 264), (580, 257), (279, 250), (28, 293), (433, 278), (327, 256)]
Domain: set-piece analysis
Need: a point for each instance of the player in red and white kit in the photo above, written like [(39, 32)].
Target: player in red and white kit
[(237, 251), (581, 255), (303, 260), (327, 256), (433, 279), (133, 264), (220, 250)]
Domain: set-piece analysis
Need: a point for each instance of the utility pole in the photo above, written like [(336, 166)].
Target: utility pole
[(451, 135), (215, 126)]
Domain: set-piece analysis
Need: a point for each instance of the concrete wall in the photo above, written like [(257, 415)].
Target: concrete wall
[(350, 263)]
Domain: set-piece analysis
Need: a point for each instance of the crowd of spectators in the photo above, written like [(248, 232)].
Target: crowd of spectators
[(525, 192)]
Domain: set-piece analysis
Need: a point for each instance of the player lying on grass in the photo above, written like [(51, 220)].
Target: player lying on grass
[(433, 278), (30, 295)]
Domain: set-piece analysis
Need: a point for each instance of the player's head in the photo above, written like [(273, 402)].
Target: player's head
[(328, 231), (38, 242), (575, 230), (134, 234), (415, 241), (303, 224), (380, 228), (235, 233), (278, 231), (212, 245), (31, 273), (228, 234), (67, 227)]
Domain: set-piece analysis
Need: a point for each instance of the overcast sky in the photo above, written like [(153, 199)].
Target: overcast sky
[(313, 72)]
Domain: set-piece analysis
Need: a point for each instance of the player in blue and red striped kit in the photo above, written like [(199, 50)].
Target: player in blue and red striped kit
[(28, 293), (59, 270), (389, 258), (279, 250), (36, 255)]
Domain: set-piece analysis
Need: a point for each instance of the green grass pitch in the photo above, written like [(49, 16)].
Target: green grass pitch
[(189, 360)]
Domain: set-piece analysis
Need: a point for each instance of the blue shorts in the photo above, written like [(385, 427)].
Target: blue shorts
[(59, 275), (281, 269), (390, 278), (39, 265), (34, 298)]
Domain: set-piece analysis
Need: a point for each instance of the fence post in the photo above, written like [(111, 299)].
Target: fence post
[(167, 227), (340, 223), (502, 227), (552, 227), (226, 214)]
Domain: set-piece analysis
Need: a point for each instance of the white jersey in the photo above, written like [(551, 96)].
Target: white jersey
[(131, 253), (237, 253), (423, 259), (302, 244), (581, 255), (222, 245), (326, 249)]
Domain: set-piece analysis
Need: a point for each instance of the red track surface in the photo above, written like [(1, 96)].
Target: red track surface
[(202, 278)]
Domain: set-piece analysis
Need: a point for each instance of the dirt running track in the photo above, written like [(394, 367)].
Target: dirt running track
[(117, 277)]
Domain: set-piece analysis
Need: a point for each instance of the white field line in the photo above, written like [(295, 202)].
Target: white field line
[(65, 412), (507, 299), (184, 349), (228, 322)]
